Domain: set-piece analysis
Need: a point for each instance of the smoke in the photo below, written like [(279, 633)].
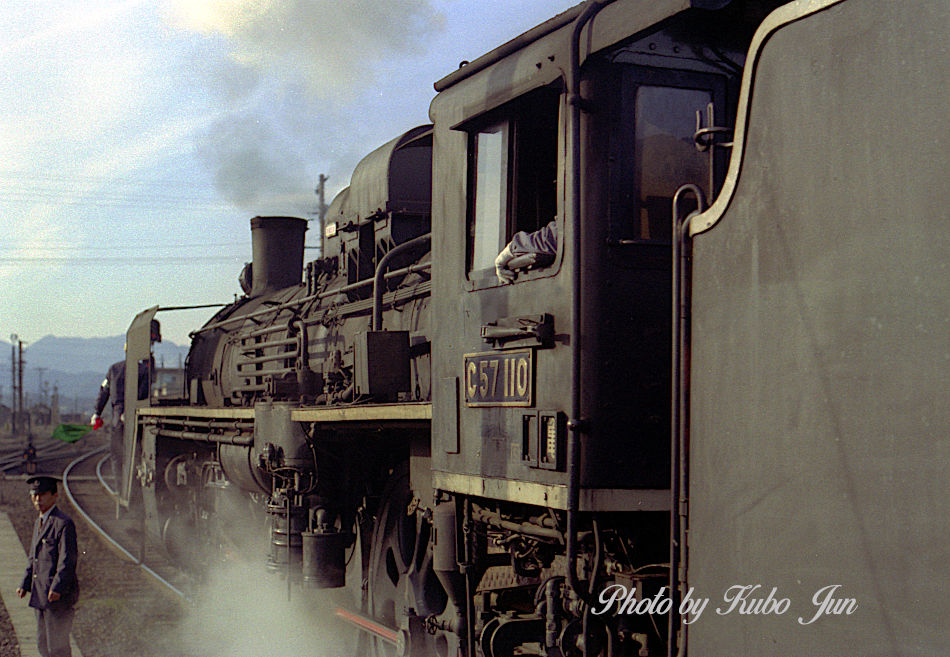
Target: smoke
[(243, 608), (304, 87), (333, 47), (246, 612), (251, 165)]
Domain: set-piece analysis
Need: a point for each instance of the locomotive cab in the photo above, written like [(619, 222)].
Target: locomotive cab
[(596, 143), (552, 393)]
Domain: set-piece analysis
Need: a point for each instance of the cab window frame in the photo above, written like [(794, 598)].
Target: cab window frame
[(532, 175), (624, 211)]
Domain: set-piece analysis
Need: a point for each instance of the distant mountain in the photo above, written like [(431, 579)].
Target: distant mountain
[(74, 355), (74, 367)]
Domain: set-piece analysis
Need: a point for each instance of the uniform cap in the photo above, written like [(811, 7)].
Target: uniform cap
[(42, 484)]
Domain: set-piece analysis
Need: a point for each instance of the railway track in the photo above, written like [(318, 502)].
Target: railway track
[(14, 450), (87, 485)]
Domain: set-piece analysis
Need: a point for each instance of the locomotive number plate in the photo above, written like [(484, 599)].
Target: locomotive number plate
[(499, 378)]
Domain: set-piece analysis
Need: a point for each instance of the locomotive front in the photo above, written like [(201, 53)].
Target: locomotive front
[(291, 388)]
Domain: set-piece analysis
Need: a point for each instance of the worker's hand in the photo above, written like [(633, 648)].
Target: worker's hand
[(20, 593), (504, 274), (95, 421), (53, 596)]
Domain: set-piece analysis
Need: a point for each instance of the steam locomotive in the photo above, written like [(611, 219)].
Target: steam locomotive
[(742, 403)]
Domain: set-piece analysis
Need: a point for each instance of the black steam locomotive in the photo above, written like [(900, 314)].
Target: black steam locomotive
[(744, 404)]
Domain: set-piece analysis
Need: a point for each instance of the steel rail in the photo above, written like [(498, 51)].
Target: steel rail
[(102, 532), (11, 457), (111, 491)]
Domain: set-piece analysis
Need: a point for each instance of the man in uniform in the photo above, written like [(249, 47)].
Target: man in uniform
[(114, 386), (50, 578), (535, 249)]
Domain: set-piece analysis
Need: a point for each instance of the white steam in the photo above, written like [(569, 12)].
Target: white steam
[(246, 612), (243, 608), (303, 87), (333, 47)]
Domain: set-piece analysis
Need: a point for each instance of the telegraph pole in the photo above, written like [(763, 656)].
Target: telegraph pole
[(39, 386), (13, 397), (30, 454), (20, 374)]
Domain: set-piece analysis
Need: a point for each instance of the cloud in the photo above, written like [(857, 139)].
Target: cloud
[(299, 89), (332, 48), (85, 18)]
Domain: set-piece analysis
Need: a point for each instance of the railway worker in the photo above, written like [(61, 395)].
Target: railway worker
[(113, 386), (50, 578), (542, 242)]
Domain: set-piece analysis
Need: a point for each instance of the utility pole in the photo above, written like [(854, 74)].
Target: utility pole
[(30, 454), (20, 374), (39, 384), (322, 208), (13, 397)]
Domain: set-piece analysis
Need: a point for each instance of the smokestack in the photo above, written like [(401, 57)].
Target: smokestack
[(277, 248)]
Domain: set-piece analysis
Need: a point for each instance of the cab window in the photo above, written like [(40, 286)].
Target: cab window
[(665, 155), (490, 204), (653, 151), (512, 174)]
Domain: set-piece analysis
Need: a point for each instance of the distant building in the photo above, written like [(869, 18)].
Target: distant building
[(41, 417)]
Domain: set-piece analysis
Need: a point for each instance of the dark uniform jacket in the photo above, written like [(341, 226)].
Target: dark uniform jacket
[(52, 562), (543, 240), (114, 386)]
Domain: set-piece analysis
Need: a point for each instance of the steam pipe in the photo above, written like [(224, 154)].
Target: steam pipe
[(381, 271), (203, 305), (284, 355), (227, 439), (576, 425), (367, 624), (492, 518), (678, 415), (256, 346), (296, 303)]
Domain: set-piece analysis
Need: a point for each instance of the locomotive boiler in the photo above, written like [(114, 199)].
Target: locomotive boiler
[(482, 462)]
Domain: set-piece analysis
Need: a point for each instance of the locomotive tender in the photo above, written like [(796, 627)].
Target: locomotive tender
[(682, 401)]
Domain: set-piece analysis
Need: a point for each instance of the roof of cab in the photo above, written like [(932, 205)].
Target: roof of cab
[(376, 185), (636, 14)]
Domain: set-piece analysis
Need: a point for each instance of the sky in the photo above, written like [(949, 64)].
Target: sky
[(138, 138)]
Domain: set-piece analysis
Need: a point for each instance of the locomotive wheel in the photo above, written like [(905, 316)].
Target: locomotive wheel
[(400, 579)]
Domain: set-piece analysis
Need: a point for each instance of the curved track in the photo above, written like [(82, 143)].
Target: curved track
[(87, 485), (13, 452), (90, 493)]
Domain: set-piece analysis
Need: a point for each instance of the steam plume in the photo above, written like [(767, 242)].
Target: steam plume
[(300, 89)]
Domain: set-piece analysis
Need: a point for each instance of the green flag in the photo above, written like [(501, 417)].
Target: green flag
[(70, 433)]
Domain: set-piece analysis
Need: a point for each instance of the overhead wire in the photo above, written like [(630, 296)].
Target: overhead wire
[(129, 247), (17, 188)]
